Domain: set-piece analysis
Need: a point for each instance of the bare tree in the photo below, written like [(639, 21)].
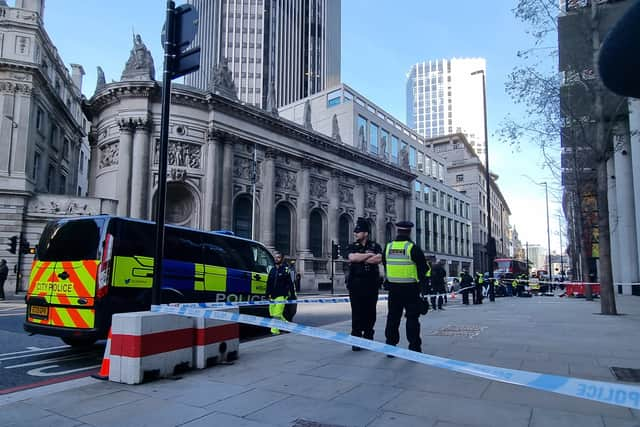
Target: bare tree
[(573, 112)]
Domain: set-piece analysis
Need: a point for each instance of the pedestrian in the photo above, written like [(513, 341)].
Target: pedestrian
[(297, 281), (406, 272), (466, 286), (438, 287), (4, 272), (279, 288), (364, 257)]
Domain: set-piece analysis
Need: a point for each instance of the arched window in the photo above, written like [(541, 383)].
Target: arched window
[(343, 232), (242, 217), (315, 233), (283, 230)]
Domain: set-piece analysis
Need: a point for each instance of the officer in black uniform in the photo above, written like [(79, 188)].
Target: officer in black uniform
[(363, 281), (406, 270)]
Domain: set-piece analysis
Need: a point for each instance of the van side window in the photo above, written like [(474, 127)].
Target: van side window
[(262, 259), (133, 238), (182, 245), (212, 251)]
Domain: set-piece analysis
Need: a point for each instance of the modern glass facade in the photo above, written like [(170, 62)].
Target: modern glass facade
[(444, 98), (289, 46)]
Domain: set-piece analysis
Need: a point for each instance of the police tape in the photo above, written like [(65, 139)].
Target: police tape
[(599, 391), (332, 300)]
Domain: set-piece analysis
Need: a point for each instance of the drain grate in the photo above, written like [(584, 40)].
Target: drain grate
[(306, 423), (626, 374), (458, 331)]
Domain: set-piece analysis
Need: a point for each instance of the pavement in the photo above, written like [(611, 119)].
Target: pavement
[(293, 380)]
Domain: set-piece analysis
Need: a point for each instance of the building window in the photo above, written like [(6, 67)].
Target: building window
[(373, 138), (434, 227), (53, 140), (362, 133), (427, 235), (434, 197), (394, 149), (62, 189), (283, 230), (412, 157), (460, 177), (35, 173), (315, 233), (419, 227), (418, 189), (426, 194), (39, 119), (344, 228), (51, 177), (66, 149), (242, 213)]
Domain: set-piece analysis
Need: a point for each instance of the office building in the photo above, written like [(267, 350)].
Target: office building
[(444, 97), (278, 51)]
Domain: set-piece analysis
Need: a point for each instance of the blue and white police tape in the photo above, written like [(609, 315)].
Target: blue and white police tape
[(599, 391), (270, 302)]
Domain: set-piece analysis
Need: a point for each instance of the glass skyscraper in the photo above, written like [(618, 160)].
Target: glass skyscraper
[(291, 47), (444, 98)]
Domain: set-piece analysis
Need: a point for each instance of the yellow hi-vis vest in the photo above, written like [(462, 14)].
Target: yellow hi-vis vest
[(400, 267), (428, 270), (480, 280)]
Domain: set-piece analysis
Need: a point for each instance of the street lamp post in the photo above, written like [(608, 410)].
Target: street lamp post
[(491, 246), (546, 195)]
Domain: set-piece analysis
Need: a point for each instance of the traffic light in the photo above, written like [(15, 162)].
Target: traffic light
[(25, 247), (335, 250), (13, 244)]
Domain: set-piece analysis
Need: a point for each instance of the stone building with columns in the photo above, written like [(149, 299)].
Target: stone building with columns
[(309, 188), (43, 135)]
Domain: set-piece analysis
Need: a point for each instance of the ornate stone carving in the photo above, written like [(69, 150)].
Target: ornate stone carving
[(109, 154), (346, 194), (390, 206), (404, 158), (286, 180), (221, 82), (243, 168), (383, 147), (370, 200), (140, 64), (307, 115), (181, 154), (335, 129), (362, 141), (62, 207), (101, 80), (177, 174), (318, 188)]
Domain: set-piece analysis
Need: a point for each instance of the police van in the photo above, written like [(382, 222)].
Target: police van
[(88, 268)]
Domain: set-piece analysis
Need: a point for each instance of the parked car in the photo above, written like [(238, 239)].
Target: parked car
[(453, 284)]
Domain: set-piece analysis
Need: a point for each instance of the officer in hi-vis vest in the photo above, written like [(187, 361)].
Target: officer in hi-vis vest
[(406, 272)]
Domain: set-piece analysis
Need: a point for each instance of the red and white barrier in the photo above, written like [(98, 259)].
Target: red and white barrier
[(215, 341), (146, 345)]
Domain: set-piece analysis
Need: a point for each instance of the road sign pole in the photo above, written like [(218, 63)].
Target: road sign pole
[(161, 195)]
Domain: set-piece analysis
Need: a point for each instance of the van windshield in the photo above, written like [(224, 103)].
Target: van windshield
[(73, 240)]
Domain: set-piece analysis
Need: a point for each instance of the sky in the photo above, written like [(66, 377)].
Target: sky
[(381, 40)]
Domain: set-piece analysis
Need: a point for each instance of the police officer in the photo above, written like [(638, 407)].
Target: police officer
[(406, 272), (363, 281), (279, 288), (477, 296)]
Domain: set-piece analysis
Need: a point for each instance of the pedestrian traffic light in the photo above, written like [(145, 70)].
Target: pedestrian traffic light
[(335, 250), (13, 244)]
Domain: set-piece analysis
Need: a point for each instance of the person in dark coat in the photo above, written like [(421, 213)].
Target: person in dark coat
[(4, 272), (438, 285), (363, 281), (279, 288), (466, 285)]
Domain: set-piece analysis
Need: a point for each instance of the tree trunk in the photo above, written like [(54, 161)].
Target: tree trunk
[(607, 295)]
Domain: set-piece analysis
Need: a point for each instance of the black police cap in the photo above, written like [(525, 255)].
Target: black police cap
[(362, 225), (408, 225)]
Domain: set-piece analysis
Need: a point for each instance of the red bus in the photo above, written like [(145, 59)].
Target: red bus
[(509, 268)]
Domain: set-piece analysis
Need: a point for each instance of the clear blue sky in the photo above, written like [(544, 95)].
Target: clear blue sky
[(381, 40)]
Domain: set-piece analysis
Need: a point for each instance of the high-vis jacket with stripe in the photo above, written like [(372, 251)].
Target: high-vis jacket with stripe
[(400, 267)]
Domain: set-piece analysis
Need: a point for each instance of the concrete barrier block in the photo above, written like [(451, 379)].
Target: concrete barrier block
[(215, 341)]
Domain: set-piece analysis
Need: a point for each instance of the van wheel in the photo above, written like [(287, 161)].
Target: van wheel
[(79, 342)]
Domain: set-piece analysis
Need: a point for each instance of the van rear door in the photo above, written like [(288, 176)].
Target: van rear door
[(62, 284)]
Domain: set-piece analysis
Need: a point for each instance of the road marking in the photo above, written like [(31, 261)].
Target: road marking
[(32, 349), (39, 372), (45, 361)]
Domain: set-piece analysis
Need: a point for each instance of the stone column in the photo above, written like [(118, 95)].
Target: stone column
[(267, 198), (303, 211), (210, 213), (381, 218), (634, 149), (124, 166), (141, 167), (334, 205), (227, 186), (626, 227), (93, 162)]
